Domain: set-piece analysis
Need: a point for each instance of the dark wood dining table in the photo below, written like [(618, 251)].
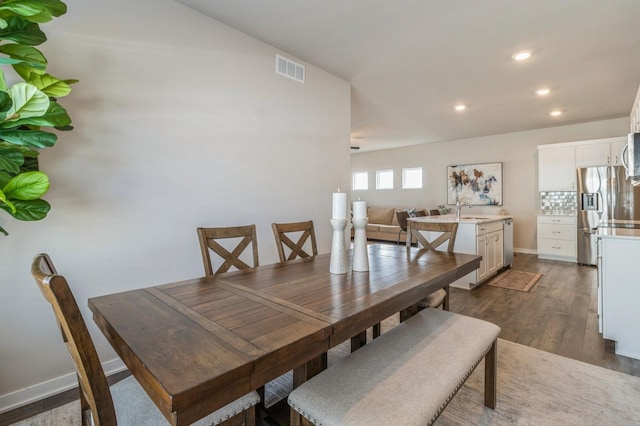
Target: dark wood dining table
[(197, 345)]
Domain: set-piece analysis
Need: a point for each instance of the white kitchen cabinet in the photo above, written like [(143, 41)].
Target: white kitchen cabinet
[(489, 245), (557, 237), (635, 114), (556, 168), (602, 152), (619, 289)]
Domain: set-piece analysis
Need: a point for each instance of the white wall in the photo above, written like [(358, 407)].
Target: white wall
[(517, 151), (179, 122)]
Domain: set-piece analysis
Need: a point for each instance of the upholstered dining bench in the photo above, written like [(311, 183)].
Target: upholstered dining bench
[(405, 377)]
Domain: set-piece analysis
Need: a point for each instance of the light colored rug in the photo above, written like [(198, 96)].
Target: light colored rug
[(534, 388), (515, 280)]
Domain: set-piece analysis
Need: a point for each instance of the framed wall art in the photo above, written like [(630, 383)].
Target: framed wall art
[(476, 184)]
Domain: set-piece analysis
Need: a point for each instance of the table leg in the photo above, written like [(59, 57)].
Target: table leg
[(405, 314), (309, 369), (358, 341)]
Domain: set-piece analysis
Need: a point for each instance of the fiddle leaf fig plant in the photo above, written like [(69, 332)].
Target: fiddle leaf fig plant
[(27, 106)]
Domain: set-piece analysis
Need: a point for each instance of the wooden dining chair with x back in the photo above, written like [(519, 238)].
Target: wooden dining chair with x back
[(209, 242), (125, 402), (305, 244), (436, 235)]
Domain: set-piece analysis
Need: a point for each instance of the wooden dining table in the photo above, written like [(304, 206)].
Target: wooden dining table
[(198, 344)]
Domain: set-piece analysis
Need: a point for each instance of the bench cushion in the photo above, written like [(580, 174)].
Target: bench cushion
[(405, 377)]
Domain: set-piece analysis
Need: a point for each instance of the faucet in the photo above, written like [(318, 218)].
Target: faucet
[(459, 206)]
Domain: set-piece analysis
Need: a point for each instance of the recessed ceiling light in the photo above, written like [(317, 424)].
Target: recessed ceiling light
[(522, 56), (555, 113), (460, 107), (543, 92)]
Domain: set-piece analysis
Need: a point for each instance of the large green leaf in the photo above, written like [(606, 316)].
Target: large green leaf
[(26, 55), (27, 186), (31, 138), (5, 101), (29, 210), (11, 159), (49, 85), (56, 116), (3, 82), (4, 178), (6, 204), (28, 101), (22, 31), (36, 10)]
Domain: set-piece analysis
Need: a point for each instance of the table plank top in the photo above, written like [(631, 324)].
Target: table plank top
[(198, 344)]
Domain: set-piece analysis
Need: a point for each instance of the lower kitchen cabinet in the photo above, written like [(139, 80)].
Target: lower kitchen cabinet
[(557, 237), (618, 289)]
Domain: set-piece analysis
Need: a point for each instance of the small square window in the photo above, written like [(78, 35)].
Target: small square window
[(384, 179), (360, 181), (412, 178)]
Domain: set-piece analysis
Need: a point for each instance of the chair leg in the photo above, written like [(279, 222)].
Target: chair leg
[(491, 376)]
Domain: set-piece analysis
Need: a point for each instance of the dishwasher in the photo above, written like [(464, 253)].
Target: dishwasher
[(507, 226)]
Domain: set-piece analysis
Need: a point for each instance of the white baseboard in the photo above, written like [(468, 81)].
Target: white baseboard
[(525, 251), (51, 387)]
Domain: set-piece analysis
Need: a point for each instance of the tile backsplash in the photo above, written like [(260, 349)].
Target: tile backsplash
[(559, 201)]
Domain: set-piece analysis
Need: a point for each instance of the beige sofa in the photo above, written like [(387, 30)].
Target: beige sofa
[(383, 224)]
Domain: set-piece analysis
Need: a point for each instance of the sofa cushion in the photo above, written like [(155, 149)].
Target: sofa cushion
[(389, 229), (381, 215), (372, 227)]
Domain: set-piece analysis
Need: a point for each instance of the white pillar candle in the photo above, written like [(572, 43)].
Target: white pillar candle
[(359, 209), (339, 205)]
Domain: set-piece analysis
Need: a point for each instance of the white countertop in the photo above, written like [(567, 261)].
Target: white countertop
[(464, 218), (627, 233)]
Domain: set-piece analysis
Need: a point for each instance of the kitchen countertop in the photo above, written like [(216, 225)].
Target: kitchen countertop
[(464, 218), (626, 233)]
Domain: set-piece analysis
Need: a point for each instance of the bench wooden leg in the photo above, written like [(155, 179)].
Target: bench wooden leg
[(491, 376)]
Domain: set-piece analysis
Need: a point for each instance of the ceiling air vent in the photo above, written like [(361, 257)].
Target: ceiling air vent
[(290, 69)]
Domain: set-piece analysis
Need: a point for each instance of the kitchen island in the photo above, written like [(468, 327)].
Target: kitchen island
[(489, 236), (618, 288)]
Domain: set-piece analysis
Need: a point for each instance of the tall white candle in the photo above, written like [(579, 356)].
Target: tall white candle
[(339, 205), (359, 209)]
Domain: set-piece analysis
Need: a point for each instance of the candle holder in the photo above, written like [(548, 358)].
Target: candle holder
[(338, 261), (360, 253)]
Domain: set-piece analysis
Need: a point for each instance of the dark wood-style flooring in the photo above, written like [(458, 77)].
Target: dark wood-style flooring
[(558, 315)]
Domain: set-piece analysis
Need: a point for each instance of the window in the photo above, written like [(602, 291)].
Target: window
[(412, 178), (384, 179), (360, 181)]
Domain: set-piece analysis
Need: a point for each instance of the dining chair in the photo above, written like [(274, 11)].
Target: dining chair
[(208, 242), (402, 216), (284, 232), (442, 233), (125, 402), (434, 212)]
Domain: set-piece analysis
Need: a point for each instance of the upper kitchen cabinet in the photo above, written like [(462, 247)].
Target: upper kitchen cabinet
[(601, 152), (556, 168), (634, 118)]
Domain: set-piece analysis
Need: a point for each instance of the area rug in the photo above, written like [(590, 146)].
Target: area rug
[(534, 388), (515, 280)]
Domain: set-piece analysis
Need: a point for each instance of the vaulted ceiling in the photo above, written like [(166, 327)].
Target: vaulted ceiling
[(410, 62)]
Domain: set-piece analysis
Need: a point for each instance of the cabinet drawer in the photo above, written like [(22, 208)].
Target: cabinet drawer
[(560, 220), (556, 247), (494, 226), (557, 232)]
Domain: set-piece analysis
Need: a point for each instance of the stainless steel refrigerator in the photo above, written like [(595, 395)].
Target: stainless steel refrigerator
[(606, 198)]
